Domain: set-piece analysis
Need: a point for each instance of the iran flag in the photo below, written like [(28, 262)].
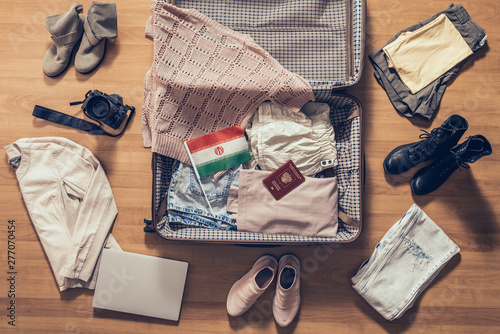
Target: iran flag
[(218, 151)]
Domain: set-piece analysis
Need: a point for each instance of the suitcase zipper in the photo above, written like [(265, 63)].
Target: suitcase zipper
[(349, 38)]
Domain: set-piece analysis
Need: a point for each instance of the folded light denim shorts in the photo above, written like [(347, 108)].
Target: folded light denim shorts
[(187, 204), (409, 256)]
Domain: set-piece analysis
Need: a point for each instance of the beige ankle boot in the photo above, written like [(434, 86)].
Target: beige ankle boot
[(101, 23), (66, 29)]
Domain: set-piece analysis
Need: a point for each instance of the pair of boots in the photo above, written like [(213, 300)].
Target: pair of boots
[(286, 301), (70, 27), (441, 145)]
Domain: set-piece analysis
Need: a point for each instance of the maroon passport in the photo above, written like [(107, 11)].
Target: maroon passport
[(283, 180)]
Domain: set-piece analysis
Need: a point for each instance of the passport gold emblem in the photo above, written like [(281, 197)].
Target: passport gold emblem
[(286, 178)]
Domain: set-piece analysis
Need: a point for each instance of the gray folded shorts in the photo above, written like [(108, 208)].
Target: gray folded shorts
[(407, 259), (426, 101)]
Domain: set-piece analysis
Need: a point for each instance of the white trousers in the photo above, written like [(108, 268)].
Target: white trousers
[(70, 203), (409, 256)]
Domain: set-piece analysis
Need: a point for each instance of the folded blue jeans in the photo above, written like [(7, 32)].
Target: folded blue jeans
[(187, 204), (407, 259)]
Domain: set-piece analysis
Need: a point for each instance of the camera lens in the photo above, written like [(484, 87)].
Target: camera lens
[(99, 107)]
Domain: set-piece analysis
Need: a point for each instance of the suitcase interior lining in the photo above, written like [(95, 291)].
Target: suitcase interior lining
[(317, 39), (348, 174)]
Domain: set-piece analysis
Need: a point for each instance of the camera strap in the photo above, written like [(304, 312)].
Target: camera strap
[(75, 122)]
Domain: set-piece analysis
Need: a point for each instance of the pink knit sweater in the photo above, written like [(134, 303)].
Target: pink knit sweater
[(206, 77)]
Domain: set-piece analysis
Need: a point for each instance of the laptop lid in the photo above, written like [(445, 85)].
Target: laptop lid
[(140, 284)]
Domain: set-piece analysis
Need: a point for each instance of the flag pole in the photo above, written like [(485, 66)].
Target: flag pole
[(198, 178)]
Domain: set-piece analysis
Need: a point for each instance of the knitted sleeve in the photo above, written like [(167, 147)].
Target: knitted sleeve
[(149, 29), (147, 107), (292, 91)]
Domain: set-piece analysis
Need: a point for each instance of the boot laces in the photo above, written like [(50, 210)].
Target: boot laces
[(427, 146), (451, 161)]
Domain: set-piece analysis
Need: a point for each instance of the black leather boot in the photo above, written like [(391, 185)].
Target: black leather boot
[(434, 175), (441, 139)]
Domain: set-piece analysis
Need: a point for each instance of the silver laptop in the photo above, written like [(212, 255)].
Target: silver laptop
[(140, 284)]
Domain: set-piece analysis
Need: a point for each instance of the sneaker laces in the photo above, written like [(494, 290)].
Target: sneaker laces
[(428, 145)]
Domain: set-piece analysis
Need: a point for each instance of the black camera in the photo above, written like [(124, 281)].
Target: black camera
[(98, 106), (108, 109)]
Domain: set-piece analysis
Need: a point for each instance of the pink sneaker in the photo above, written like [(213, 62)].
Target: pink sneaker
[(286, 301), (247, 289)]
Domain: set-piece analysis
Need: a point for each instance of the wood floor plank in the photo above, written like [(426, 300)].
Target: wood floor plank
[(465, 296)]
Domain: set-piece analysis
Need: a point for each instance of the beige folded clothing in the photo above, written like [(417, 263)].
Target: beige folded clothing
[(421, 56), (310, 210), (70, 203), (278, 134)]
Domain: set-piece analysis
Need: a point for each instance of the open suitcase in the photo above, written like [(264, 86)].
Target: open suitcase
[(321, 40)]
